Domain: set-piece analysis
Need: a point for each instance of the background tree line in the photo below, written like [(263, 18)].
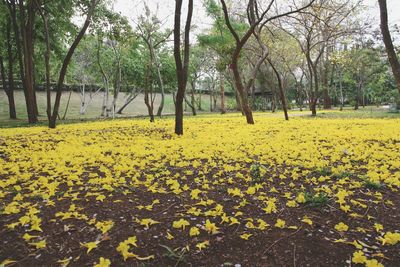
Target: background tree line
[(265, 54)]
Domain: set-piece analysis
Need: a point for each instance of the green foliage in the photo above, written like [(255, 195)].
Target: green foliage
[(370, 184), (324, 171), (373, 185), (177, 254), (257, 172), (316, 199), (342, 175)]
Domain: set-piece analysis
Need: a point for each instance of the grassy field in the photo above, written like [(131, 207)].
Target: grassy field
[(304, 192), (136, 108)]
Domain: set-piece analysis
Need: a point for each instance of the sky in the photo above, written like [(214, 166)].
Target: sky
[(165, 10)]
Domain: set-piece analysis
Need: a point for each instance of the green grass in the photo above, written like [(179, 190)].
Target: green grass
[(136, 108), (349, 112)]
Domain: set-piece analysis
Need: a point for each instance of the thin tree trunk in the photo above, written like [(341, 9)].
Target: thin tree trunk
[(104, 108), (181, 67), (199, 101), (27, 41), (118, 80), (46, 59), (222, 92), (148, 85), (17, 39), (281, 90), (67, 59), (243, 97), (127, 102), (356, 105), (211, 100), (387, 39), (161, 83), (341, 90), (9, 88), (9, 92), (192, 99), (67, 106)]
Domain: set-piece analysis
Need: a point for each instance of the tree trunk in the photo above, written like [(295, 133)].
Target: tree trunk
[(341, 90), (117, 87), (148, 84), (67, 59), (27, 41), (314, 108), (104, 108), (327, 98), (46, 59), (127, 102), (387, 39), (243, 97), (9, 88), (199, 103), (222, 92), (67, 106), (356, 105), (161, 83), (211, 100), (192, 99), (17, 39), (281, 90), (181, 67)]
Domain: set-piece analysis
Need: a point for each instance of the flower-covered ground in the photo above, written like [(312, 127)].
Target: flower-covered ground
[(316, 192)]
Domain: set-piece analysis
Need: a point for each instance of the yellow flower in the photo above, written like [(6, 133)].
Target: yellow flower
[(194, 231), (301, 198), (271, 207), (105, 226), (147, 222), (280, 223), (373, 263), (203, 245), (194, 194), (235, 192), (7, 262), (90, 245), (251, 190), (378, 227), (359, 257), (103, 263), (169, 236), (28, 237), (245, 236), (233, 221), (211, 227), (341, 227), (391, 238), (124, 247), (291, 204), (262, 225), (307, 220), (39, 245), (182, 223)]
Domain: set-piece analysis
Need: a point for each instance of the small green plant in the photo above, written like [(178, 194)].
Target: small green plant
[(316, 199), (324, 171), (177, 254), (342, 175), (372, 184), (257, 171)]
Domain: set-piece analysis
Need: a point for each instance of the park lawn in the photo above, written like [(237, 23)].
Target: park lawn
[(93, 111), (322, 192)]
